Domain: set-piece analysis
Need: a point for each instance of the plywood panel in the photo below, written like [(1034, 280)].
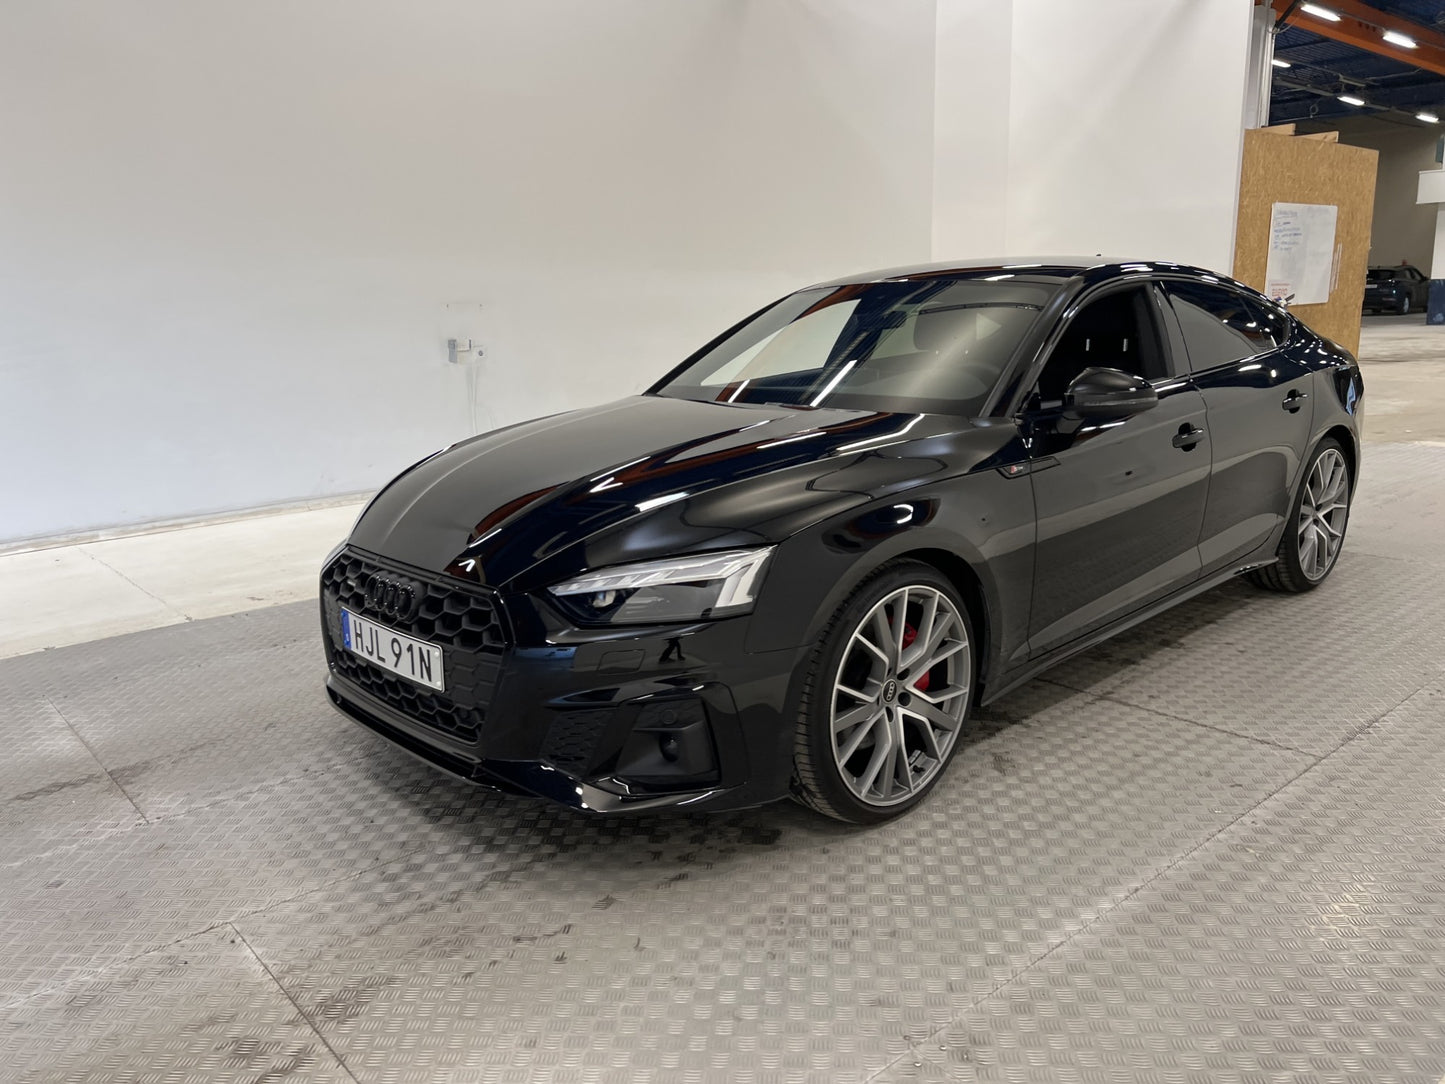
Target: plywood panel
[(1285, 169)]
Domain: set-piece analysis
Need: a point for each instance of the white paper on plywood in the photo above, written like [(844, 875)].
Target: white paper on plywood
[(1301, 252)]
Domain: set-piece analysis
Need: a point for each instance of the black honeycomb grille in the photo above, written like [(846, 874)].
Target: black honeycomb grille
[(572, 738), (413, 702), (465, 621)]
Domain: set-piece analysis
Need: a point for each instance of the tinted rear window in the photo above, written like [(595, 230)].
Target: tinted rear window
[(1221, 325)]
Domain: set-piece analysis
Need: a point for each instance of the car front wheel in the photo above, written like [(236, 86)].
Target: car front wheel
[(886, 695), (1405, 305), (1315, 531)]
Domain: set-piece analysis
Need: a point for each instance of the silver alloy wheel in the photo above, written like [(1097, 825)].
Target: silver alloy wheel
[(1322, 513), (891, 737)]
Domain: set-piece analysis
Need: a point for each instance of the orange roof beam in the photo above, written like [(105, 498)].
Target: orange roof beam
[(1364, 27)]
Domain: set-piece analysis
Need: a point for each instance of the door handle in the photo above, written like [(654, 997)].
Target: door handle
[(1187, 437), (1294, 400)]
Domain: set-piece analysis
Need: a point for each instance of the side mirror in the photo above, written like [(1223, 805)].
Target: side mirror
[(1099, 394)]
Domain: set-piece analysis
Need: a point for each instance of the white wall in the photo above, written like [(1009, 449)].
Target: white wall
[(972, 127), (227, 232), (1121, 120)]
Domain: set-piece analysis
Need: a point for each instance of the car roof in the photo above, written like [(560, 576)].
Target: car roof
[(1052, 268)]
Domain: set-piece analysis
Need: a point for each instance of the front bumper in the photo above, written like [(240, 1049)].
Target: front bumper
[(598, 720)]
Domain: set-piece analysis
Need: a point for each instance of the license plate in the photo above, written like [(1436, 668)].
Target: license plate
[(403, 655)]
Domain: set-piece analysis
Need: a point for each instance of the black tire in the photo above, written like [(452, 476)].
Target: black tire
[(818, 779), (1404, 307), (1288, 572)]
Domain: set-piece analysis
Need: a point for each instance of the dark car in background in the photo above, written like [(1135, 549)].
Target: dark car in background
[(1402, 289), (798, 562)]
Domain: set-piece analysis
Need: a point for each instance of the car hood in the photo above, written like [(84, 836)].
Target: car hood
[(638, 478)]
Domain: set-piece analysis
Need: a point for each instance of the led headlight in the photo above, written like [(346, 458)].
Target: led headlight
[(673, 589)]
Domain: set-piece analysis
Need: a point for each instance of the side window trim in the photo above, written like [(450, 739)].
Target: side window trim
[(1175, 348)]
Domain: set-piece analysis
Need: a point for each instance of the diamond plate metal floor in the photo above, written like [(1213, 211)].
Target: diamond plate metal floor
[(1210, 850)]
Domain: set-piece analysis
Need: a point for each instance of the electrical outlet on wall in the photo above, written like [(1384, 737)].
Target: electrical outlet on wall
[(461, 331)]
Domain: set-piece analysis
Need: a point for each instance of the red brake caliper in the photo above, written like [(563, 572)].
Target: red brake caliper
[(909, 635)]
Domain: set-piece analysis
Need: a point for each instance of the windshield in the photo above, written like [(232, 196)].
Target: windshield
[(934, 345), (1380, 274)]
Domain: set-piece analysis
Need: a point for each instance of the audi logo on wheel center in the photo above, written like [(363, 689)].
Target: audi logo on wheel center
[(390, 598)]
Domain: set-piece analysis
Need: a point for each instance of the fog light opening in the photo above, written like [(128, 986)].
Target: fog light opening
[(670, 747)]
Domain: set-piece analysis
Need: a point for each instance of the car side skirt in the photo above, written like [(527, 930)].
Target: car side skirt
[(1035, 667)]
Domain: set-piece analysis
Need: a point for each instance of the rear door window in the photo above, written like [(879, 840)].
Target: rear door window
[(1221, 326)]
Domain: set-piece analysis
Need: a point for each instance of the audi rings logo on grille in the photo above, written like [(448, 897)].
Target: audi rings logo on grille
[(391, 598)]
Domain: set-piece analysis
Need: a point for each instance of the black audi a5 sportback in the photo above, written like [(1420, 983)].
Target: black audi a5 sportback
[(798, 562)]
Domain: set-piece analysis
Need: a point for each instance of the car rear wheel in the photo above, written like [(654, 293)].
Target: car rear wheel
[(886, 695), (1315, 532)]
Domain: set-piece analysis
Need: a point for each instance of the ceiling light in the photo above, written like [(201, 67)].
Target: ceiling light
[(1319, 12), (1404, 41), (1278, 63), (1428, 118), (1350, 99)]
